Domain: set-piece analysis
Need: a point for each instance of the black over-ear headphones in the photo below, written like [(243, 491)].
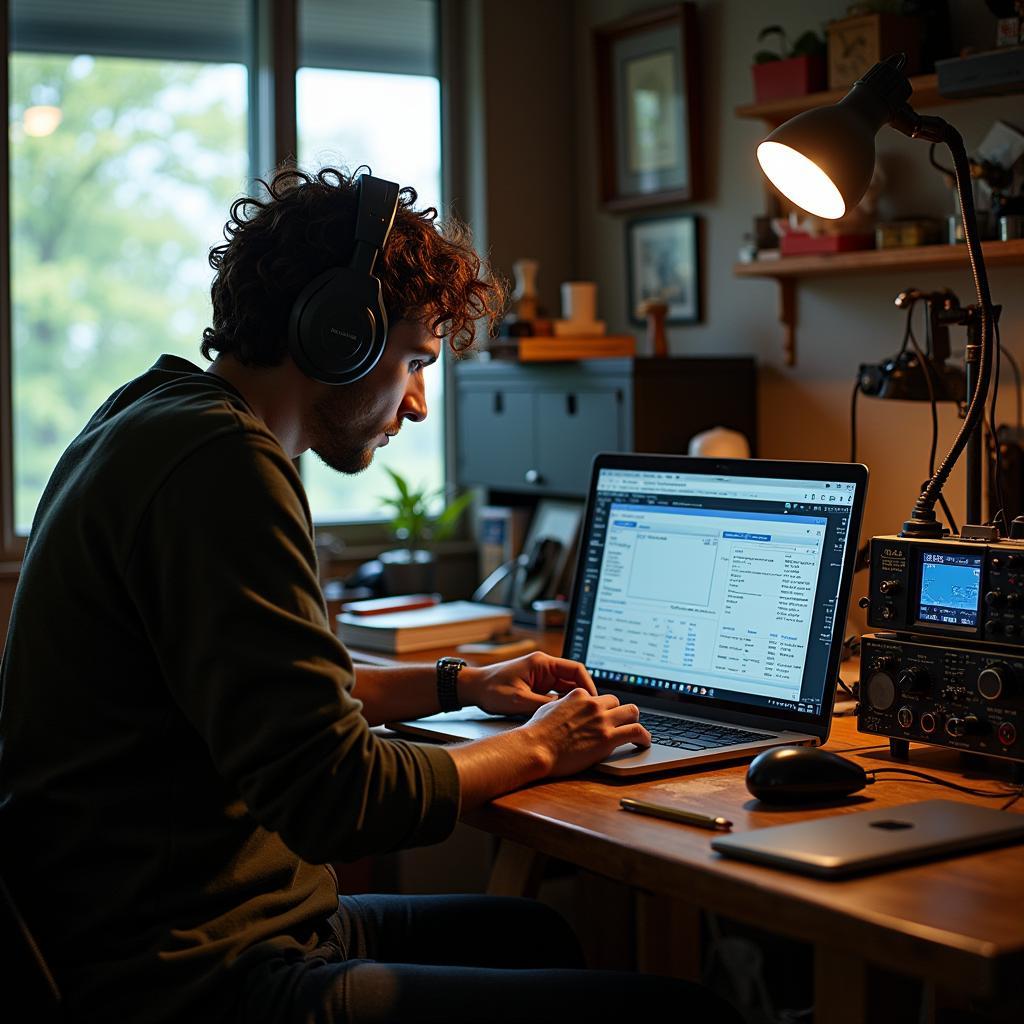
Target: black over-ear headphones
[(338, 324)]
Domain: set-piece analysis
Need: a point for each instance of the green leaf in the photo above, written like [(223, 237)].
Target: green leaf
[(444, 524)]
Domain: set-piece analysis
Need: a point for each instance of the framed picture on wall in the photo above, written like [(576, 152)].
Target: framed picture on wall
[(663, 262), (647, 111)]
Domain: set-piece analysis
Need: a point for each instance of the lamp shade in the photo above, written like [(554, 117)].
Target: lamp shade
[(822, 159)]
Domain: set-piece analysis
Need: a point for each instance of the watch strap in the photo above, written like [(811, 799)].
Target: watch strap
[(448, 670)]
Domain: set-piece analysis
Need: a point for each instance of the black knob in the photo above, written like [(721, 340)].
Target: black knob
[(888, 612), (996, 563), (1013, 599), (915, 682), (993, 629), (968, 725), (881, 691), (889, 586), (1010, 629), (994, 598), (905, 717), (930, 721), (992, 681)]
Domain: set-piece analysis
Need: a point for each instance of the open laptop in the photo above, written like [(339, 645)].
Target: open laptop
[(713, 594)]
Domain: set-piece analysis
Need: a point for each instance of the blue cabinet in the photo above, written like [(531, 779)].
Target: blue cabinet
[(534, 428)]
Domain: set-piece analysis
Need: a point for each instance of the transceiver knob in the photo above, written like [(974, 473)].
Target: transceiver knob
[(915, 682), (881, 691), (966, 726), (905, 717), (889, 586), (994, 598), (992, 681)]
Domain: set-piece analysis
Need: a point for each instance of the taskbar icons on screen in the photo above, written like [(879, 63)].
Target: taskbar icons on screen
[(691, 689)]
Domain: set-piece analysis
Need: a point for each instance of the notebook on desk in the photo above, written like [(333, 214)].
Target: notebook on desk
[(713, 594)]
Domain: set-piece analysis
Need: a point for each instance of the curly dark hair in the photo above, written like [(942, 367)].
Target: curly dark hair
[(429, 272)]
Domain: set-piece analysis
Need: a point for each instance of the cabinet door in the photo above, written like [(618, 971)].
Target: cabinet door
[(572, 427), (495, 437)]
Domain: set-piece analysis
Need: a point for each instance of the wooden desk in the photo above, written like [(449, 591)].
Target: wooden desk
[(956, 924)]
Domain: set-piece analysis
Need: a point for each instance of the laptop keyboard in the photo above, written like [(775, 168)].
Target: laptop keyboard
[(688, 735)]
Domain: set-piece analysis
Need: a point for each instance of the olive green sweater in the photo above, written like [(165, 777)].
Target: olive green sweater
[(179, 745)]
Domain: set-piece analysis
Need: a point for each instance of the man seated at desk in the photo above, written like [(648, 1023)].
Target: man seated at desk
[(184, 744)]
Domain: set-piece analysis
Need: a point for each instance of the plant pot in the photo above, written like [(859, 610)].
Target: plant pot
[(782, 79), (408, 572)]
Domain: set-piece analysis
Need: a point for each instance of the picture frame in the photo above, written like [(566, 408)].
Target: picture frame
[(648, 113), (663, 262)]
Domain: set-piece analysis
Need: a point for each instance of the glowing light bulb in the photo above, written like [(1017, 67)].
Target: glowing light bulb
[(801, 180)]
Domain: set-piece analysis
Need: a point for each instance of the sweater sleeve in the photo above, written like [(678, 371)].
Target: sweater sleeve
[(223, 573)]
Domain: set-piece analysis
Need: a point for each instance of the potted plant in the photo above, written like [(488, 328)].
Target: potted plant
[(410, 569), (794, 71)]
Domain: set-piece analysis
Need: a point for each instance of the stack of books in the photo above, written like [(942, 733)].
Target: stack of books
[(442, 625)]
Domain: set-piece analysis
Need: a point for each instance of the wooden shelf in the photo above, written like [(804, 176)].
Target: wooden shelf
[(787, 270), (926, 94), (871, 261)]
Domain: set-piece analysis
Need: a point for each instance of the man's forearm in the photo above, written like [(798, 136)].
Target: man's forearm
[(403, 691), (496, 765)]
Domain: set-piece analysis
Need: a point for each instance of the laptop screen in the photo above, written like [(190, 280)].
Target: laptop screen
[(722, 589)]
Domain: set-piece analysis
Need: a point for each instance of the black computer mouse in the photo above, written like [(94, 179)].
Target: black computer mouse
[(803, 775)]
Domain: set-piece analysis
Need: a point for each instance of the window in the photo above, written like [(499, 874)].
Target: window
[(368, 93), (131, 129), (128, 143)]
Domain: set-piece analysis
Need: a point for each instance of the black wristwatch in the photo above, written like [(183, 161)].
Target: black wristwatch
[(448, 670)]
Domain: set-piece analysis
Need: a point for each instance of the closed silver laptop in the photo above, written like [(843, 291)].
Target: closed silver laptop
[(712, 594)]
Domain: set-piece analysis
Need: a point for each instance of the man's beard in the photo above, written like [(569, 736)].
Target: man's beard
[(344, 435)]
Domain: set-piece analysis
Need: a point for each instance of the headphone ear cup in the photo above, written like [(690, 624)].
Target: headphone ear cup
[(338, 326)]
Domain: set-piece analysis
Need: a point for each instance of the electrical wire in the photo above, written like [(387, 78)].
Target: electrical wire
[(997, 471), (925, 505), (1015, 367), (853, 420), (926, 370), (1016, 792)]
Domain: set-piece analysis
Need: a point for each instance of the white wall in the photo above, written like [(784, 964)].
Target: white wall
[(843, 321)]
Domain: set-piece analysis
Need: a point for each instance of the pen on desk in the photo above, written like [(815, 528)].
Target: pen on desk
[(675, 814)]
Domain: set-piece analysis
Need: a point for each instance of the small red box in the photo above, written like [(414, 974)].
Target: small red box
[(799, 243), (782, 79)]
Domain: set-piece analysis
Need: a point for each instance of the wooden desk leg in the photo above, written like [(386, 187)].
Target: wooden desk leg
[(667, 936), (516, 871), (840, 988)]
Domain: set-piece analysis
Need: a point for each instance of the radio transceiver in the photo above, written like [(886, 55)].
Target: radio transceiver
[(949, 670), (950, 588), (969, 697)]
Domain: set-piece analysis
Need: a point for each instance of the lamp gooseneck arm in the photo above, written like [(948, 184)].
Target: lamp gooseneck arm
[(935, 129)]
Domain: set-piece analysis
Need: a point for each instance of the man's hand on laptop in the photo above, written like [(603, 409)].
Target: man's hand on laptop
[(521, 686), (579, 730), (570, 731)]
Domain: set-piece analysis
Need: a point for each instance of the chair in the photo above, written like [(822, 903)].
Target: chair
[(29, 984)]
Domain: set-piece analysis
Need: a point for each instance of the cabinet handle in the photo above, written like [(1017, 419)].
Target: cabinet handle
[(570, 404), (499, 403), (532, 476)]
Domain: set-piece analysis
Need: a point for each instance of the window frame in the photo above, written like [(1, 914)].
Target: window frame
[(272, 55)]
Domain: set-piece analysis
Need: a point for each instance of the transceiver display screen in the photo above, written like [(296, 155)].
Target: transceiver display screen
[(950, 588)]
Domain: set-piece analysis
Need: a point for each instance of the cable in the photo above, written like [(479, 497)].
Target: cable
[(924, 508), (997, 472), (936, 781), (1015, 366), (853, 420), (926, 369)]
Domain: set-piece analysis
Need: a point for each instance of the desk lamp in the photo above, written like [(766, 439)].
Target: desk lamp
[(822, 160)]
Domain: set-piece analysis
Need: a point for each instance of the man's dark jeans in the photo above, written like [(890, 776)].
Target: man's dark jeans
[(456, 960)]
